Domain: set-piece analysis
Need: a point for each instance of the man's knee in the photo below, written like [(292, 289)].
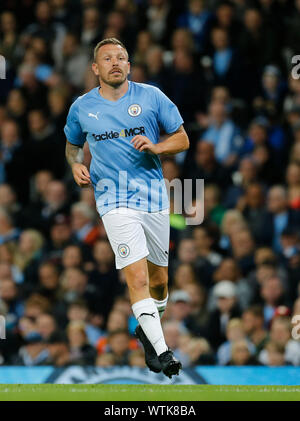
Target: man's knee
[(137, 280)]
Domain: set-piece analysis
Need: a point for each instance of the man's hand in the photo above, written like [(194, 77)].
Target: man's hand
[(81, 175), (175, 142), (142, 143)]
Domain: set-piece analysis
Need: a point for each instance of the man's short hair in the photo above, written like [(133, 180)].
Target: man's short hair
[(107, 41), (118, 332)]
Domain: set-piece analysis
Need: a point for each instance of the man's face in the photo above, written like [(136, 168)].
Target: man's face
[(248, 320), (225, 304), (204, 153), (45, 325), (9, 133), (112, 65), (276, 200), (119, 343), (255, 197)]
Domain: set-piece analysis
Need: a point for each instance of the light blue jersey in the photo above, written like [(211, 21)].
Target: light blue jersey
[(121, 175)]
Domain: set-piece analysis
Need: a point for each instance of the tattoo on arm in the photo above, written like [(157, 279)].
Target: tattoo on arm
[(74, 154)]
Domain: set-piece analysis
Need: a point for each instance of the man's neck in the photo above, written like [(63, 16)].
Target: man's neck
[(113, 93)]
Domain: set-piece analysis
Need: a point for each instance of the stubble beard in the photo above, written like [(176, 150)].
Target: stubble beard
[(114, 83)]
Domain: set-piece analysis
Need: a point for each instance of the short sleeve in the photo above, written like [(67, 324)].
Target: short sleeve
[(72, 129), (168, 114)]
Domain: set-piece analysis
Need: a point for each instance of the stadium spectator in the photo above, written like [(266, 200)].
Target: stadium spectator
[(136, 359), (81, 352), (83, 223), (223, 134), (253, 326), (243, 247), (9, 36), (16, 108), (253, 208), (199, 352), (48, 275), (228, 269), (8, 232), (280, 333), (275, 354), (8, 200), (241, 354), (12, 156), (197, 320), (9, 294), (272, 294), (175, 335), (246, 174), (227, 308), (73, 56), (280, 216), (72, 257), (226, 62), (44, 148), (28, 253), (198, 20), (180, 307), (58, 350), (205, 166), (118, 343), (234, 333), (46, 325), (42, 214), (214, 210), (33, 353), (78, 311), (106, 360), (232, 222)]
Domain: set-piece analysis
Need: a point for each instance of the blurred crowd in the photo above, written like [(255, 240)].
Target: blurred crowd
[(235, 278)]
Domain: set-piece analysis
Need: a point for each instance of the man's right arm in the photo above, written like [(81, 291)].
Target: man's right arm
[(74, 156)]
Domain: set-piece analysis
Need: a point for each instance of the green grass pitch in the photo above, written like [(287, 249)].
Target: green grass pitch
[(104, 392)]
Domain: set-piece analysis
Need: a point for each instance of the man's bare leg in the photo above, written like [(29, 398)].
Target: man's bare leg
[(158, 356), (143, 306), (158, 286)]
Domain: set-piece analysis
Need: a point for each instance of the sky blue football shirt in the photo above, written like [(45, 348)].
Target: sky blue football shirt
[(121, 175)]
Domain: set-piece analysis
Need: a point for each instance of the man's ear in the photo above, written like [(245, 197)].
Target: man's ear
[(128, 68), (95, 69)]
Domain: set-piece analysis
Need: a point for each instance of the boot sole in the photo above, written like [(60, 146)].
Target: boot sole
[(172, 369)]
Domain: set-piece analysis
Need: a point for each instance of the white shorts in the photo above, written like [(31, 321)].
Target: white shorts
[(135, 234)]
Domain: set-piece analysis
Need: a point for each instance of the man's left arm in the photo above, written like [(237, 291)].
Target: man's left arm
[(176, 142)]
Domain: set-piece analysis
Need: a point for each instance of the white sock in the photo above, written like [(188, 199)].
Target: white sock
[(161, 305), (146, 313)]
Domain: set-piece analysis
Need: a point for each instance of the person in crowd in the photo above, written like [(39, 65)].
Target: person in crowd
[(234, 333), (81, 352), (227, 309), (223, 133), (253, 326), (280, 334), (241, 354)]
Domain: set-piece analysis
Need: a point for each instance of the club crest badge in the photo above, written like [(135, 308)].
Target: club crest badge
[(134, 110), (123, 250)]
